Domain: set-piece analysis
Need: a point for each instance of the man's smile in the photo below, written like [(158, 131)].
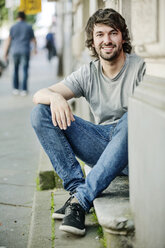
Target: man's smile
[(108, 48)]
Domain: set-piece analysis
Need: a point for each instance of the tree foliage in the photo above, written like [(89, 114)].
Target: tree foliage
[(31, 19), (4, 14)]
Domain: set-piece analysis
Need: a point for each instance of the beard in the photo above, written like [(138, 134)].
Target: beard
[(110, 56)]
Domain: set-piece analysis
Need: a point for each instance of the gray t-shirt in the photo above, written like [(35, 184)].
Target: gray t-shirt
[(108, 98), (21, 34)]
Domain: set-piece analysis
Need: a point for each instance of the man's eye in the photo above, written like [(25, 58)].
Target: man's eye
[(114, 33), (99, 35)]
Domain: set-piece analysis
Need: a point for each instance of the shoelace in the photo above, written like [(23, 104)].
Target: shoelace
[(73, 208), (68, 201)]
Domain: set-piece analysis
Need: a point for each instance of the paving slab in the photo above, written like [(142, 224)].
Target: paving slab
[(14, 225), (16, 196), (18, 164)]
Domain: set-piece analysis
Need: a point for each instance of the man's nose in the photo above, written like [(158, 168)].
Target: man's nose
[(107, 39)]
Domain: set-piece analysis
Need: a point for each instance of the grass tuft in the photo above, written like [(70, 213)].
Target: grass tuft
[(100, 232), (38, 184), (53, 222)]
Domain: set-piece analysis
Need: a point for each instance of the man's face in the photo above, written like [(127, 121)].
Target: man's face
[(107, 42)]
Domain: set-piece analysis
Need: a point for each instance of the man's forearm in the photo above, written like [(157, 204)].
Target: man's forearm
[(35, 45), (7, 47), (55, 93), (44, 96)]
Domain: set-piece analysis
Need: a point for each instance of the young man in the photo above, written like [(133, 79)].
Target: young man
[(106, 83), (20, 37)]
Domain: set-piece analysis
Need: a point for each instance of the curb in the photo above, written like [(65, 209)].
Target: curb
[(40, 228)]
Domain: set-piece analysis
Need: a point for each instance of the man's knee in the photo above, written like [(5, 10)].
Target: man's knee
[(37, 115), (124, 121)]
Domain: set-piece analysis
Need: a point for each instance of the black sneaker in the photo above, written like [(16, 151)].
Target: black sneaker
[(60, 213), (74, 220)]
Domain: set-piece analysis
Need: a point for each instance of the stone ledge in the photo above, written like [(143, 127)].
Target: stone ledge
[(113, 213)]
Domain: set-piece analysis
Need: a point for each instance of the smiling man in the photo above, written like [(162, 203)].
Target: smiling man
[(106, 83)]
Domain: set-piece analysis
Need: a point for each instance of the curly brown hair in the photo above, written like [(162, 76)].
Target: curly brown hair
[(111, 18)]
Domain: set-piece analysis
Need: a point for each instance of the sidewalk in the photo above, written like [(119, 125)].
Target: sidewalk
[(19, 154)]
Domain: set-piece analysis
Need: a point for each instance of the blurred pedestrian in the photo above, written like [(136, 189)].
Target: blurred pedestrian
[(50, 45), (20, 37)]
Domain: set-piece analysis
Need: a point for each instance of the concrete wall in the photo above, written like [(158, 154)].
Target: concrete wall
[(148, 22), (147, 126), (147, 162)]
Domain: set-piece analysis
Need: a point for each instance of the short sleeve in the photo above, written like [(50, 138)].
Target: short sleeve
[(78, 81)]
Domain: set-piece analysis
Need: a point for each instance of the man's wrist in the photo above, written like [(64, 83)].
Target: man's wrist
[(54, 95)]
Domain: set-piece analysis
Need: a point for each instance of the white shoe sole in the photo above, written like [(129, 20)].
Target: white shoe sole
[(23, 93), (72, 230), (58, 216), (15, 92)]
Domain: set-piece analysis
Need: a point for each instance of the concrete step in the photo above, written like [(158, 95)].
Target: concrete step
[(112, 210), (113, 213), (42, 230)]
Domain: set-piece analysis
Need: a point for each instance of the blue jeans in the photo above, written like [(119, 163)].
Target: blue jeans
[(18, 60), (102, 147)]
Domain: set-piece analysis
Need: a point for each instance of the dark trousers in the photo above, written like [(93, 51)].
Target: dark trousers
[(23, 60)]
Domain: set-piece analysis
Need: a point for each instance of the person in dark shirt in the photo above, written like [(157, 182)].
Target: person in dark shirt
[(50, 45), (20, 37)]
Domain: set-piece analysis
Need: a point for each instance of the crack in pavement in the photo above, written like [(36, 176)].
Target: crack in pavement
[(17, 184), (15, 205)]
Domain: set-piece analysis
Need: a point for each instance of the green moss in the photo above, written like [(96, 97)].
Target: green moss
[(103, 242), (94, 217), (38, 184), (53, 222), (100, 232), (46, 180)]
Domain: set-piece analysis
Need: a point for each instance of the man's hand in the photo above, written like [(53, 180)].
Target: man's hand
[(7, 47), (56, 96), (61, 112), (34, 41)]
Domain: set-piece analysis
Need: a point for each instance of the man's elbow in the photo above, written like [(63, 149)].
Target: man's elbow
[(35, 101)]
